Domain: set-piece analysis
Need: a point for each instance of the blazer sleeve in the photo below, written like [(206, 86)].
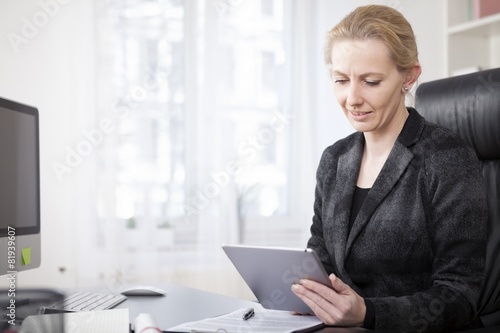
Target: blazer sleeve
[(456, 219)]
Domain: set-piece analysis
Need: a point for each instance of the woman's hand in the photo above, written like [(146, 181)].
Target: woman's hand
[(339, 305)]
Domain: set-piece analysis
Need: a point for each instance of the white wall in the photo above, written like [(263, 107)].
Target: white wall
[(54, 70), (46, 61)]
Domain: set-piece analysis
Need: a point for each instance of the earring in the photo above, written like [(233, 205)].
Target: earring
[(406, 89)]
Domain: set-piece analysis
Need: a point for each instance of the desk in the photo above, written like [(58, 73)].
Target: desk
[(182, 304)]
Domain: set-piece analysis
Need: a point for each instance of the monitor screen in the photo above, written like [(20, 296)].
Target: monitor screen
[(19, 187)]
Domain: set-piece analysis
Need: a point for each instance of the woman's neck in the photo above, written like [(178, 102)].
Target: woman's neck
[(379, 144), (377, 149)]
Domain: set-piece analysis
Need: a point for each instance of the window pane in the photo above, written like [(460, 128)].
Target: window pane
[(142, 63), (250, 97)]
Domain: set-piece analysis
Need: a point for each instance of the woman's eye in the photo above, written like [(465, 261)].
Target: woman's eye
[(341, 81), (372, 83)]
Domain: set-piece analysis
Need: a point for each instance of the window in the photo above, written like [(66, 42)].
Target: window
[(198, 91), (142, 60), (252, 41)]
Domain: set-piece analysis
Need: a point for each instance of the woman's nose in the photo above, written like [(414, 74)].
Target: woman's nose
[(354, 95)]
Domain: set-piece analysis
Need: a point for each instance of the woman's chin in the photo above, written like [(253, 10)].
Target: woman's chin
[(360, 126)]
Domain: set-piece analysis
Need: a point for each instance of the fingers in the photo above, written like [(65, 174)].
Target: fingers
[(338, 305), (338, 285), (318, 304), (334, 296)]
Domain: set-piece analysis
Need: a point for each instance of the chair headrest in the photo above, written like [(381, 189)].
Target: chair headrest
[(469, 105)]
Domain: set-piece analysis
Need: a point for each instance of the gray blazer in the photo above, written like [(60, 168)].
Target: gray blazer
[(417, 247)]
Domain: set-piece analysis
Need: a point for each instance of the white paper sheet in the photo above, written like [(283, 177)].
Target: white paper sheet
[(264, 321)]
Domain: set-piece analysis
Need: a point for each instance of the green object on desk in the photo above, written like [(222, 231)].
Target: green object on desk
[(26, 256)]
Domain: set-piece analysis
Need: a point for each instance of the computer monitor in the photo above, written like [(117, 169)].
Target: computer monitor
[(20, 241)]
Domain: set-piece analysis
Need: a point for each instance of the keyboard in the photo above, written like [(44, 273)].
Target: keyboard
[(86, 301)]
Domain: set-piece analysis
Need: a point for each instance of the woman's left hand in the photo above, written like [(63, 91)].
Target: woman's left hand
[(339, 305)]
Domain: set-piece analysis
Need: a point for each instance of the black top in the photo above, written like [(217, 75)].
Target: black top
[(357, 201)]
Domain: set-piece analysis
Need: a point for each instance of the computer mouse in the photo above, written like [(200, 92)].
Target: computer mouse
[(143, 291)]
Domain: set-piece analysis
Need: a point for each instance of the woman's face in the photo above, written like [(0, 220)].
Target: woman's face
[(367, 85)]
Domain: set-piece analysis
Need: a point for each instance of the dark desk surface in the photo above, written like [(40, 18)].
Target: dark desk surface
[(182, 304)]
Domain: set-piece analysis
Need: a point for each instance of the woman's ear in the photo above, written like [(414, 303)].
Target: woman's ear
[(412, 75)]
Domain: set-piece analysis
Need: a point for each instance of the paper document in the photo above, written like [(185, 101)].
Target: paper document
[(263, 321)]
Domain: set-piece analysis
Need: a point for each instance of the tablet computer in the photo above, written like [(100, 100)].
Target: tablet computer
[(270, 272)]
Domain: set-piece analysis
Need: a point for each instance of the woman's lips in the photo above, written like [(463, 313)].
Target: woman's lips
[(360, 115)]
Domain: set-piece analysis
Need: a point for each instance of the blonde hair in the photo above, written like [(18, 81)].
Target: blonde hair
[(381, 23)]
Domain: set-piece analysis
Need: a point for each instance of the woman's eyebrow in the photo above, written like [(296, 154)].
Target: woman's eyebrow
[(364, 75), (335, 72), (372, 74)]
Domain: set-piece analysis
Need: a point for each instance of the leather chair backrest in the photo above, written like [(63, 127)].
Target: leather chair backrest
[(469, 105)]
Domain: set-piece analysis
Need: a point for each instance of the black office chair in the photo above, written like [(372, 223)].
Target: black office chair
[(469, 105)]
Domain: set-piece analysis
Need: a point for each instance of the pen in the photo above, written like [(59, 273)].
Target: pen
[(248, 314)]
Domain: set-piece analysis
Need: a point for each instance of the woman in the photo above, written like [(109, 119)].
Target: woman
[(400, 210)]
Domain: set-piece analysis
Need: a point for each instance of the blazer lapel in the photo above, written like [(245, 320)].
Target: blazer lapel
[(397, 162), (393, 169), (347, 173)]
